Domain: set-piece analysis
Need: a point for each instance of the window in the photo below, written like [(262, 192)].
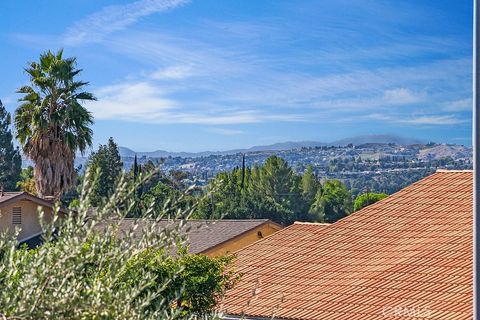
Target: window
[(17, 215)]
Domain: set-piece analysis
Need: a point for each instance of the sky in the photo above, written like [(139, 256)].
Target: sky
[(196, 75)]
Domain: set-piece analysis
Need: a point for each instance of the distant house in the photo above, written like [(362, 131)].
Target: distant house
[(408, 256), (215, 237), (210, 237), (20, 210)]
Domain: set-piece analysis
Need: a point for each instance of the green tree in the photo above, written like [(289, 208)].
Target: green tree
[(85, 269), (333, 202), (271, 191), (107, 161), (27, 182), (367, 199), (51, 123), (198, 283), (10, 159), (310, 185), (279, 182)]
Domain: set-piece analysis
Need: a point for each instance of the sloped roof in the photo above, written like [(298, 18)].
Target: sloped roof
[(204, 234), (7, 198), (411, 252)]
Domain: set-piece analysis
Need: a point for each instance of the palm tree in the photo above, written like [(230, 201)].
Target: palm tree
[(51, 123)]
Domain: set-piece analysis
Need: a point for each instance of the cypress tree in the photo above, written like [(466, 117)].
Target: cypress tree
[(10, 158), (243, 171), (107, 159)]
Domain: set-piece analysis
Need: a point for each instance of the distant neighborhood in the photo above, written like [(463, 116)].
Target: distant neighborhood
[(377, 166)]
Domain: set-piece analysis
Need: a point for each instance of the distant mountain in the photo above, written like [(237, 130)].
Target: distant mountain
[(357, 140), (126, 152)]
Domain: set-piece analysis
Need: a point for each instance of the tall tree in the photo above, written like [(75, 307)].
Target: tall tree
[(333, 202), (278, 181), (106, 160), (271, 191), (310, 185), (51, 123), (10, 159)]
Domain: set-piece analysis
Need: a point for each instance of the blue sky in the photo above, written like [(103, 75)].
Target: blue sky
[(201, 75)]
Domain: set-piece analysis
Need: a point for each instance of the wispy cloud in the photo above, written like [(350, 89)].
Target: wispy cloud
[(221, 73), (225, 131), (173, 72), (130, 101), (114, 18), (459, 105), (428, 120), (400, 96), (145, 102), (433, 120)]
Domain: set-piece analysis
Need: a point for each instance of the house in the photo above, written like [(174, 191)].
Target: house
[(408, 256), (210, 237), (20, 210), (213, 237)]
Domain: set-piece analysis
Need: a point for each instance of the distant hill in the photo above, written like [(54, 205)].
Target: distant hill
[(289, 145), (444, 151)]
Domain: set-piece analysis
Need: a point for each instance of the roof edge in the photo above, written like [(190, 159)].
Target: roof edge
[(313, 223), (27, 196), (266, 222)]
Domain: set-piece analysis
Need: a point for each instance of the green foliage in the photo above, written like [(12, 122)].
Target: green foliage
[(10, 159), (51, 123), (108, 163), (310, 185), (271, 191), (86, 269), (27, 182), (196, 282), (367, 199), (158, 192), (332, 202)]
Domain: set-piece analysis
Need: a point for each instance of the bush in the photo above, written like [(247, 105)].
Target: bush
[(367, 199), (86, 270), (195, 282)]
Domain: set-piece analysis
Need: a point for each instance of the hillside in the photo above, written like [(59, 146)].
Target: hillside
[(281, 146), (443, 151)]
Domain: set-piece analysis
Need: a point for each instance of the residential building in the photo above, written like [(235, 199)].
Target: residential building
[(21, 210), (212, 237)]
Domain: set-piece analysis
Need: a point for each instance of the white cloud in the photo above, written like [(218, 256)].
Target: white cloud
[(145, 102), (129, 101), (437, 120), (400, 96), (226, 132), (433, 120), (459, 105), (174, 72), (113, 18)]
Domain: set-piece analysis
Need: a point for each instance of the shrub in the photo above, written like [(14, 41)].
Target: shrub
[(86, 270)]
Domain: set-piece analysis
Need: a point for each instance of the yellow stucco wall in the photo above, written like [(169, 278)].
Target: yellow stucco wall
[(30, 220), (243, 240)]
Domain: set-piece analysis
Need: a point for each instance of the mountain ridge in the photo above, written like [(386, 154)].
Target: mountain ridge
[(279, 146)]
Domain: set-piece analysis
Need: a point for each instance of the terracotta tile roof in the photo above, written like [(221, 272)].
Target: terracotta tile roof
[(203, 234), (409, 254)]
